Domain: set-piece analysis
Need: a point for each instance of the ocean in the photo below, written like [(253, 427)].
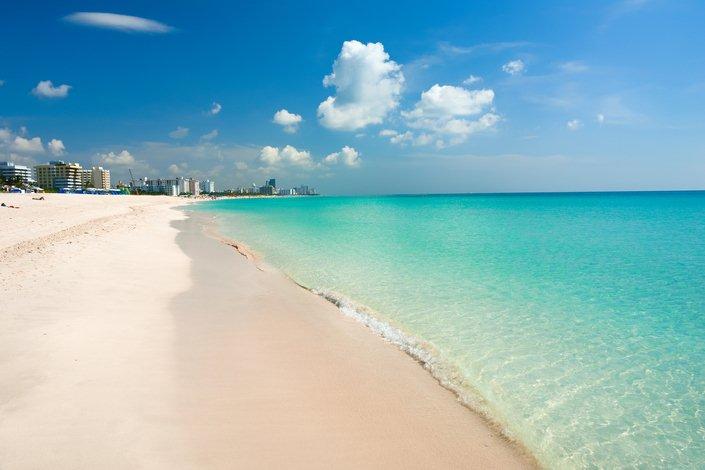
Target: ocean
[(576, 322)]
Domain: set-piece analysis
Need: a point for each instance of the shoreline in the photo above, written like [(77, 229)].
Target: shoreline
[(176, 352), (407, 343)]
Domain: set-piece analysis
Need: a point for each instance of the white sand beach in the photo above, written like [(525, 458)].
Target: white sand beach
[(129, 338)]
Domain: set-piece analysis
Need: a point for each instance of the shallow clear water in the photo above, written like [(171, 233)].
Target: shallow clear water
[(579, 319)]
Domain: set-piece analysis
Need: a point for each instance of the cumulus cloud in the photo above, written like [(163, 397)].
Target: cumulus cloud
[(124, 23), (514, 67), (472, 79), (177, 169), (123, 158), (444, 111), (574, 124), (179, 132), (447, 100), (273, 156), (215, 109), (600, 118), (348, 156), (289, 121), (18, 147), (210, 135), (56, 147), (46, 89), (269, 155), (367, 84), (23, 145)]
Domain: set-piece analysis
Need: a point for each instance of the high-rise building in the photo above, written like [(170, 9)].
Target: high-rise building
[(267, 190), (11, 173), (59, 175), (97, 177), (170, 187), (183, 185), (207, 186), (194, 187), (272, 182), (100, 177)]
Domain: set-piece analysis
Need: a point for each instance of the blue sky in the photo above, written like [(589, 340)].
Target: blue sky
[(564, 96)]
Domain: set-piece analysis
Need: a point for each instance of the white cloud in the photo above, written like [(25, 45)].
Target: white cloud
[(464, 127), (215, 109), (179, 132), (444, 111), (177, 170), (396, 137), (331, 158), (269, 155), (367, 83), (241, 166), (447, 100), (600, 118), (23, 145), (18, 148), (348, 156), (123, 158), (289, 121), (514, 67), (56, 147), (295, 157), (273, 156), (125, 23), (211, 135), (471, 80), (423, 139), (574, 124), (46, 89)]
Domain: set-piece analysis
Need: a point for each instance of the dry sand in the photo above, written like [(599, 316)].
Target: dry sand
[(130, 339)]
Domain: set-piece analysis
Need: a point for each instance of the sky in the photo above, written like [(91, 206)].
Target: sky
[(364, 97)]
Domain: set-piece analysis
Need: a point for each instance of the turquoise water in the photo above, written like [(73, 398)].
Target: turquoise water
[(576, 321)]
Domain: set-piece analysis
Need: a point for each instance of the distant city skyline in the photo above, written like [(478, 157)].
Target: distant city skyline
[(368, 98)]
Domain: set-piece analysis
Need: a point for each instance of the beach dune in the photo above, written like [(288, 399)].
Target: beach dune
[(129, 338)]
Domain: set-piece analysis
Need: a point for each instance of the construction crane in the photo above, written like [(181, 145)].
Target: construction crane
[(134, 185)]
